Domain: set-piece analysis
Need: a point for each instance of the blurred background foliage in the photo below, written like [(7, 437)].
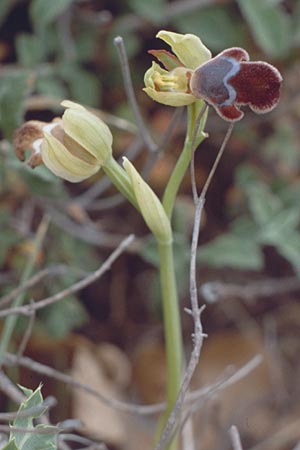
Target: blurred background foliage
[(52, 50)]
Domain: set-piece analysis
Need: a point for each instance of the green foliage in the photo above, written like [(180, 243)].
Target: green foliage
[(271, 217), (13, 88), (215, 25), (238, 252), (8, 235), (5, 6), (22, 440), (152, 11), (270, 25), (29, 49), (43, 12)]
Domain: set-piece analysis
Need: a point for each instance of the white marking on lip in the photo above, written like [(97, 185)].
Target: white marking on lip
[(233, 71), (49, 127)]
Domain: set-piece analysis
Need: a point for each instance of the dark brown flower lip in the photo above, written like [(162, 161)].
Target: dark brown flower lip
[(230, 80)]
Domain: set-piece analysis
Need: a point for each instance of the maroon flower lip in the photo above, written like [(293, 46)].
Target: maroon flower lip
[(230, 80)]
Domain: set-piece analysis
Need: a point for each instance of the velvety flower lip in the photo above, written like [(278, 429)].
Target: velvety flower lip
[(230, 80)]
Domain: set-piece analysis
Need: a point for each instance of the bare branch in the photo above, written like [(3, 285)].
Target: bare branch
[(28, 309), (128, 86), (215, 291), (54, 270), (10, 389), (196, 311), (11, 359), (27, 333), (49, 402), (235, 438)]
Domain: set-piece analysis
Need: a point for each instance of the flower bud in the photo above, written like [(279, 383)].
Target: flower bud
[(149, 205), (73, 148)]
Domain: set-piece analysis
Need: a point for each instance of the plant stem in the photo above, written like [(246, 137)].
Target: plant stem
[(172, 328), (184, 159), (120, 179), (10, 321)]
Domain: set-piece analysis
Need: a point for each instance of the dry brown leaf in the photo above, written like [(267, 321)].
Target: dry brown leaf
[(100, 421)]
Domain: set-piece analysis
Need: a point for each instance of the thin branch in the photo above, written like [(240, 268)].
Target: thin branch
[(199, 397), (283, 438), (32, 411), (10, 322), (29, 363), (27, 333), (217, 160), (53, 270), (215, 291), (235, 438), (197, 337), (195, 310), (27, 309), (192, 165), (50, 429), (196, 396), (128, 86), (10, 389), (84, 441)]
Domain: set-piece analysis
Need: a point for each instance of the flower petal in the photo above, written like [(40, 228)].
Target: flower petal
[(149, 204), (170, 98), (62, 163), (187, 47), (89, 131)]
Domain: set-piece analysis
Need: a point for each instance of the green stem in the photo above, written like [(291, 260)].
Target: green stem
[(184, 160), (10, 321), (120, 179), (172, 328)]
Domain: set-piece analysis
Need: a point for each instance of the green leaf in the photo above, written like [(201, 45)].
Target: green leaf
[(31, 441), (13, 88), (152, 11), (231, 251), (270, 26), (281, 224), (85, 88), (296, 24), (43, 12), (263, 204), (288, 246), (64, 316), (284, 137), (5, 6), (11, 446), (51, 86), (29, 49), (214, 25)]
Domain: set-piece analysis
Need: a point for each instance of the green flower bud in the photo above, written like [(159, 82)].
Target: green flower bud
[(73, 148), (149, 205)]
